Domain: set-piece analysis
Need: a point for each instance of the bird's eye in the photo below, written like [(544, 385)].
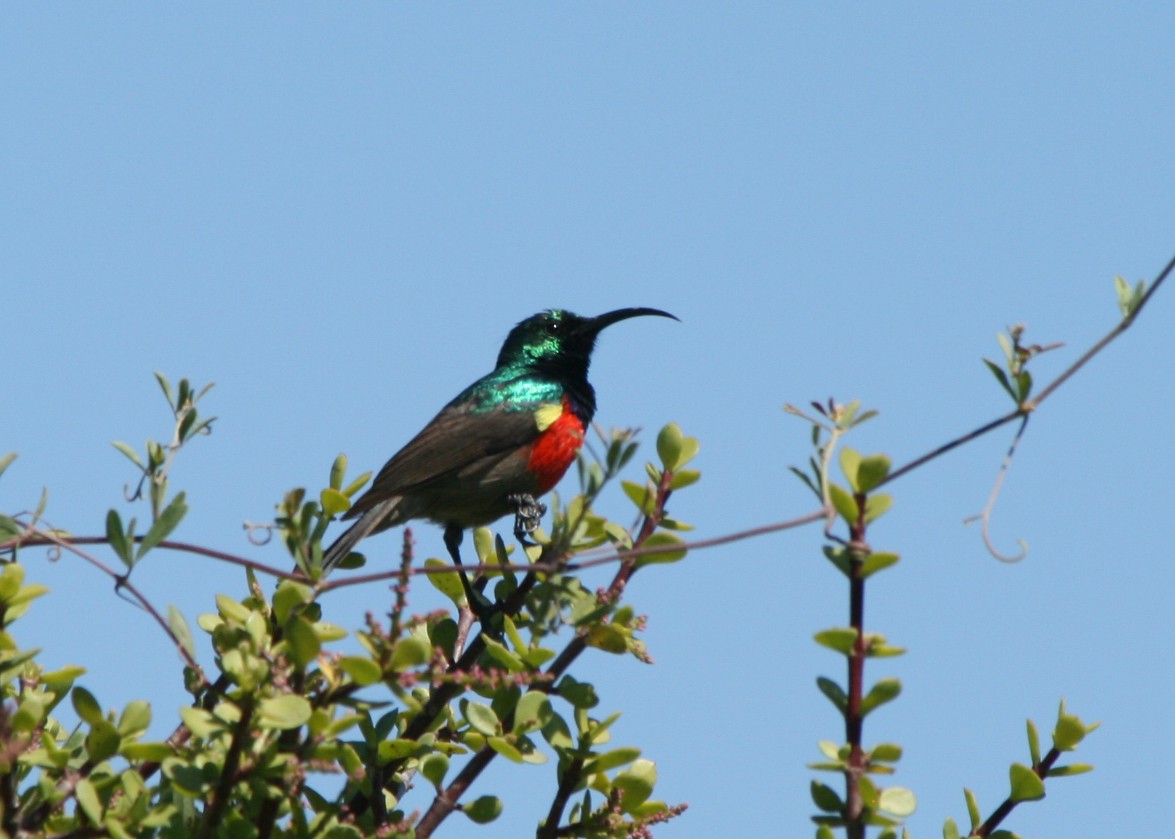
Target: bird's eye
[(554, 327)]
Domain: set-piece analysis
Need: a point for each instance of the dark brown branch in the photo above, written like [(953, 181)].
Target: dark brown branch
[(854, 720), (572, 775), (211, 822)]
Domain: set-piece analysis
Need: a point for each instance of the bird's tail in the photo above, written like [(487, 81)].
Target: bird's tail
[(372, 521)]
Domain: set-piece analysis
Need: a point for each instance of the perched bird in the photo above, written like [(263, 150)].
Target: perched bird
[(503, 442)]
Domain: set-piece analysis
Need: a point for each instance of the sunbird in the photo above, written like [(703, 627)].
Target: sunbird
[(506, 440)]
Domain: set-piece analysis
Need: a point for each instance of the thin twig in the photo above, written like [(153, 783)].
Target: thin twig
[(1045, 392), (122, 581)]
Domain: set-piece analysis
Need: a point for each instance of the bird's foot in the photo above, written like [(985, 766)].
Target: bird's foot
[(477, 605), (528, 512)]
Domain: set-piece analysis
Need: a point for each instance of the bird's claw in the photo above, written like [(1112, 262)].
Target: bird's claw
[(528, 512)]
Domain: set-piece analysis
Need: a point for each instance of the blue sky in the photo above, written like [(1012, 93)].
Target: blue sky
[(337, 212)]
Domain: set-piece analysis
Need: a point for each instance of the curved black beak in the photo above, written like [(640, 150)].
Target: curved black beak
[(593, 326)]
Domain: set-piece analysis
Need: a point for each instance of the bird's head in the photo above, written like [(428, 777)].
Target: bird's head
[(559, 341)]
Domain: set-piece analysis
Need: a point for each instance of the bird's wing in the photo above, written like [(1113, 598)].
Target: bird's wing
[(454, 439)]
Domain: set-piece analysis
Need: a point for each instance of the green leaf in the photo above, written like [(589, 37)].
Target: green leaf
[(1033, 743), (1026, 785), (872, 471), (11, 579), (897, 801), (411, 651), (1129, 298), (352, 488), (363, 671), (886, 753), (9, 528), (161, 528), (829, 749), (662, 541), (1122, 288), (690, 446), (841, 558), (147, 751), (835, 693), (1071, 769), (1069, 730), (483, 810), (434, 767), (885, 690), (288, 596), (684, 478), (532, 711), (60, 681), (611, 760), (877, 506), (870, 794), (950, 830), (135, 718), (1024, 385), (504, 656), (165, 386), (396, 749), (179, 628), (333, 502), (642, 495), (636, 783), (29, 715), (338, 470), (972, 809), (88, 800), (447, 583), (878, 561), (850, 464), (481, 717), (86, 706), (103, 741), (6, 461), (840, 639), (1001, 377), (579, 694), (1006, 346), (505, 748), (301, 641), (557, 732), (200, 722), (669, 442), (119, 542), (843, 502), (284, 712), (825, 797)]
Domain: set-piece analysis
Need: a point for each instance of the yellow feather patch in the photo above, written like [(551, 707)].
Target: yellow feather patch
[(546, 415)]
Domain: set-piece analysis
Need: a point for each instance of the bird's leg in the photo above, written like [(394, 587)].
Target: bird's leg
[(528, 512), (479, 605)]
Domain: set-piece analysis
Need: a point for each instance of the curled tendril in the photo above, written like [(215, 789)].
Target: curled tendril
[(985, 516), (259, 534)]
